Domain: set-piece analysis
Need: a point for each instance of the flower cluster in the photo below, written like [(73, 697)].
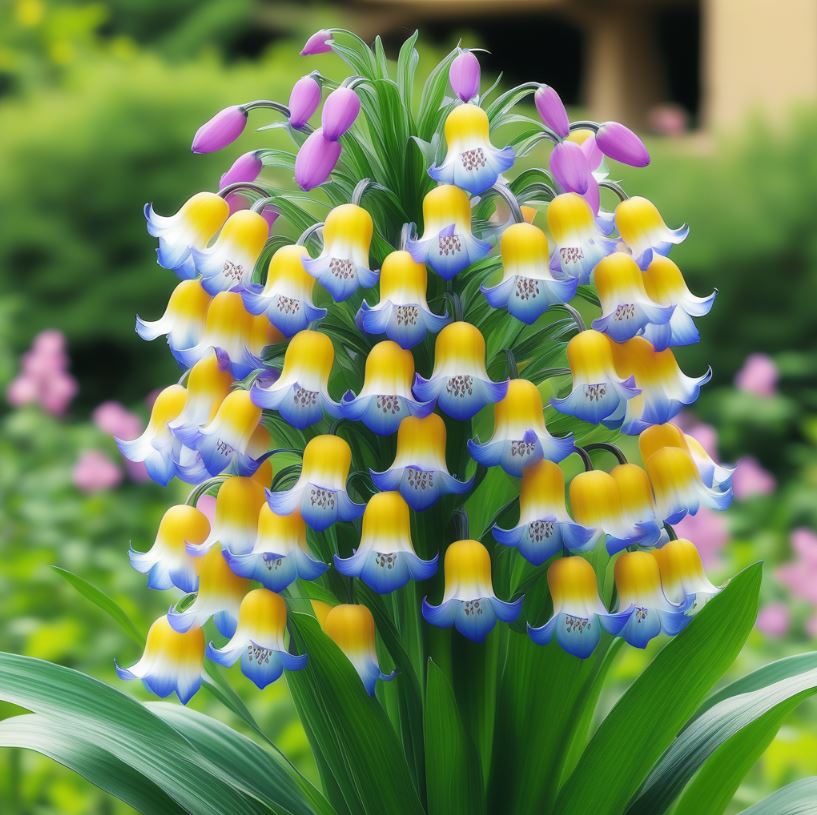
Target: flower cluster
[(266, 330)]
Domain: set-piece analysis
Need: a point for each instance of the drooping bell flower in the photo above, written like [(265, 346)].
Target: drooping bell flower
[(351, 628), (402, 314), (235, 522), (280, 554), (184, 318), (167, 563), (259, 640), (343, 265), (578, 613), (712, 473), (665, 285), (580, 244), (219, 596), (385, 398), (300, 394), (459, 382), (544, 528), (641, 598), (520, 437), (208, 385), (320, 492), (447, 244), (469, 603), (639, 526), (643, 230), (246, 168), (385, 559), (551, 110), (595, 504), (220, 131), (319, 43), (472, 162), (171, 663), (286, 297), (339, 112), (192, 227), (626, 308), (620, 143), (315, 160), (464, 75), (419, 471), (527, 288), (570, 168), (303, 100), (157, 446), (228, 264), (682, 574), (598, 394)]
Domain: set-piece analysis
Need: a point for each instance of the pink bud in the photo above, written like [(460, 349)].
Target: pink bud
[(223, 129), (552, 110), (22, 391), (315, 160), (570, 169), (339, 112), (116, 420), (318, 43), (304, 100), (620, 143), (95, 472), (245, 168), (50, 341), (464, 75), (758, 375)]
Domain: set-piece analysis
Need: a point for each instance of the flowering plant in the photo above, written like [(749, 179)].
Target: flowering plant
[(384, 413)]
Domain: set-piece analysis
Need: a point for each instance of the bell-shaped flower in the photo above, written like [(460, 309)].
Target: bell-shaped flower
[(469, 603), (385, 559), (167, 563), (219, 596), (639, 526), (682, 574), (300, 394), (157, 447), (419, 471), (184, 318), (303, 100), (343, 265), (208, 385), (578, 613), (235, 522), (598, 394), (259, 640), (527, 288), (385, 398), (259, 446), (171, 663), (642, 599), (340, 110), (459, 381), (280, 554), (544, 528), (228, 264), (447, 244), (580, 245), (595, 504), (665, 285), (464, 74), (402, 314), (626, 308), (643, 230), (320, 492), (192, 227), (520, 436), (352, 629), (286, 297), (315, 160), (472, 162)]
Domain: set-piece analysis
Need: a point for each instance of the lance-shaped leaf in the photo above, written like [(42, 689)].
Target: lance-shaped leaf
[(799, 798)]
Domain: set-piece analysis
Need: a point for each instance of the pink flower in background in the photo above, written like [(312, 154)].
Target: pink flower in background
[(758, 375), (800, 575), (95, 472), (774, 620), (116, 420), (750, 478), (804, 543), (668, 120), (710, 532), (811, 626)]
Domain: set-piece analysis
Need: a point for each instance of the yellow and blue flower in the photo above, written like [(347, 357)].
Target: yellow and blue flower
[(639, 526), (520, 436), (459, 382), (528, 288), (643, 230), (682, 574), (469, 603), (595, 504), (385, 559), (402, 314), (184, 318), (419, 471), (259, 640)]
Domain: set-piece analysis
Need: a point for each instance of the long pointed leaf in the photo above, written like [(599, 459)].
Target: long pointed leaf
[(799, 798)]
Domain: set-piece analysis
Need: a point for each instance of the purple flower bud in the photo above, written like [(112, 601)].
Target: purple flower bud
[(464, 75), (318, 43), (244, 168), (315, 160), (552, 110), (339, 112), (570, 169), (304, 100), (223, 129), (620, 143), (592, 152)]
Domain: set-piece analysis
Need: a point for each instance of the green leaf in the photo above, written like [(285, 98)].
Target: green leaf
[(657, 705), (799, 798), (453, 777)]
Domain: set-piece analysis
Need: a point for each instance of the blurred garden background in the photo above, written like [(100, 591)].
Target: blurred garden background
[(98, 104)]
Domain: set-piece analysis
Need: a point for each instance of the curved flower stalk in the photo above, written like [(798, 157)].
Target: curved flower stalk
[(643, 230), (184, 318), (385, 559), (682, 574), (208, 385), (469, 603)]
